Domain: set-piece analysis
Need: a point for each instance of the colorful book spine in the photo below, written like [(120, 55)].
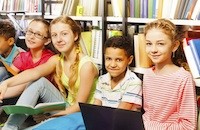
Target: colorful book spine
[(132, 8), (150, 8), (137, 9), (195, 47), (190, 59)]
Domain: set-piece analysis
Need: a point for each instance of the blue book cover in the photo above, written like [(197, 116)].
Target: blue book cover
[(195, 47)]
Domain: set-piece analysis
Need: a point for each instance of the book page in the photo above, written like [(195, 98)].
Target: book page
[(39, 109)]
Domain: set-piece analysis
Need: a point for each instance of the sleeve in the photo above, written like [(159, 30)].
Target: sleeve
[(18, 62), (98, 91), (133, 92), (188, 105)]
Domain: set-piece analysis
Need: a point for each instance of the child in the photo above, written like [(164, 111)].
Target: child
[(36, 38), (75, 74), (119, 81), (119, 88), (168, 90), (8, 49)]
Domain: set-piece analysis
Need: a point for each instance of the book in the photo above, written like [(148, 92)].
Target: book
[(184, 9), (96, 48), (131, 3), (137, 8), (159, 9), (166, 8), (86, 42), (187, 3), (141, 58), (145, 61), (150, 6), (1, 5), (195, 47), (196, 10), (117, 7), (136, 51), (38, 109), (191, 9), (190, 59), (173, 9), (181, 7)]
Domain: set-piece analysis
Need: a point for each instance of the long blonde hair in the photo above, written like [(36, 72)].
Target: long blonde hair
[(76, 29)]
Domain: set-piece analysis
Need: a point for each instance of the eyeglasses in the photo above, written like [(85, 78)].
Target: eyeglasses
[(37, 35)]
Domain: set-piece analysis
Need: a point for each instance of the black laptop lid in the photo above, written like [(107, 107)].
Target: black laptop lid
[(107, 118)]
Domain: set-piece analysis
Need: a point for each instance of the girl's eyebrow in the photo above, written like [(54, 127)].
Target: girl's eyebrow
[(160, 40), (156, 40)]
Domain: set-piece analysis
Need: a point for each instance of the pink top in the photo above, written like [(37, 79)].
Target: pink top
[(24, 60), (169, 101)]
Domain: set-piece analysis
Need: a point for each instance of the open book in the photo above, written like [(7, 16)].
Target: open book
[(38, 109)]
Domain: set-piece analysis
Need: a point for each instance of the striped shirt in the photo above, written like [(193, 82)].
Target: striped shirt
[(128, 90), (169, 101)]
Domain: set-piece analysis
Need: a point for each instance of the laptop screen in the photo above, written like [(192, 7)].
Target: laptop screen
[(106, 118)]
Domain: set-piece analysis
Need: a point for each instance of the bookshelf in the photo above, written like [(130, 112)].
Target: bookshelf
[(125, 20), (29, 7)]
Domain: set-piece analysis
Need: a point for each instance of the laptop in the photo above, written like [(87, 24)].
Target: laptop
[(106, 118)]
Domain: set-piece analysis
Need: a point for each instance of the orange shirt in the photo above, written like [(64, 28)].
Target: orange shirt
[(169, 101)]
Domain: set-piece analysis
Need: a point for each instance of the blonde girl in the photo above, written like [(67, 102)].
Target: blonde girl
[(75, 74), (169, 95)]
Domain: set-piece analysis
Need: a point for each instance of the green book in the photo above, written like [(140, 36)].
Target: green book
[(38, 109)]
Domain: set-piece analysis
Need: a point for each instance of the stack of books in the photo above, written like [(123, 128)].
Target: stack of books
[(191, 49)]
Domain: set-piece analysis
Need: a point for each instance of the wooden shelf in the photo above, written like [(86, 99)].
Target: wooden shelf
[(114, 19), (81, 18), (197, 81), (175, 21)]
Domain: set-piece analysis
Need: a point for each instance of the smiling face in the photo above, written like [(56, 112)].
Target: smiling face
[(159, 46), (116, 62), (37, 35), (63, 37)]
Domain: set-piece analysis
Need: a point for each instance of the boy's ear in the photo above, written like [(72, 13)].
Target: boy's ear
[(176, 45), (11, 41), (130, 59), (48, 41)]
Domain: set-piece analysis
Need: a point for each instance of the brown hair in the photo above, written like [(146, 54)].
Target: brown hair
[(7, 29), (76, 29), (45, 23), (122, 42)]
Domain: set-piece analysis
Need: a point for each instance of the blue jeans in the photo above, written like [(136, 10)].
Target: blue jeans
[(3, 74), (41, 89)]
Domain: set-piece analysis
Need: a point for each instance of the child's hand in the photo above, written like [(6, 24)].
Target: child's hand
[(41, 117)]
